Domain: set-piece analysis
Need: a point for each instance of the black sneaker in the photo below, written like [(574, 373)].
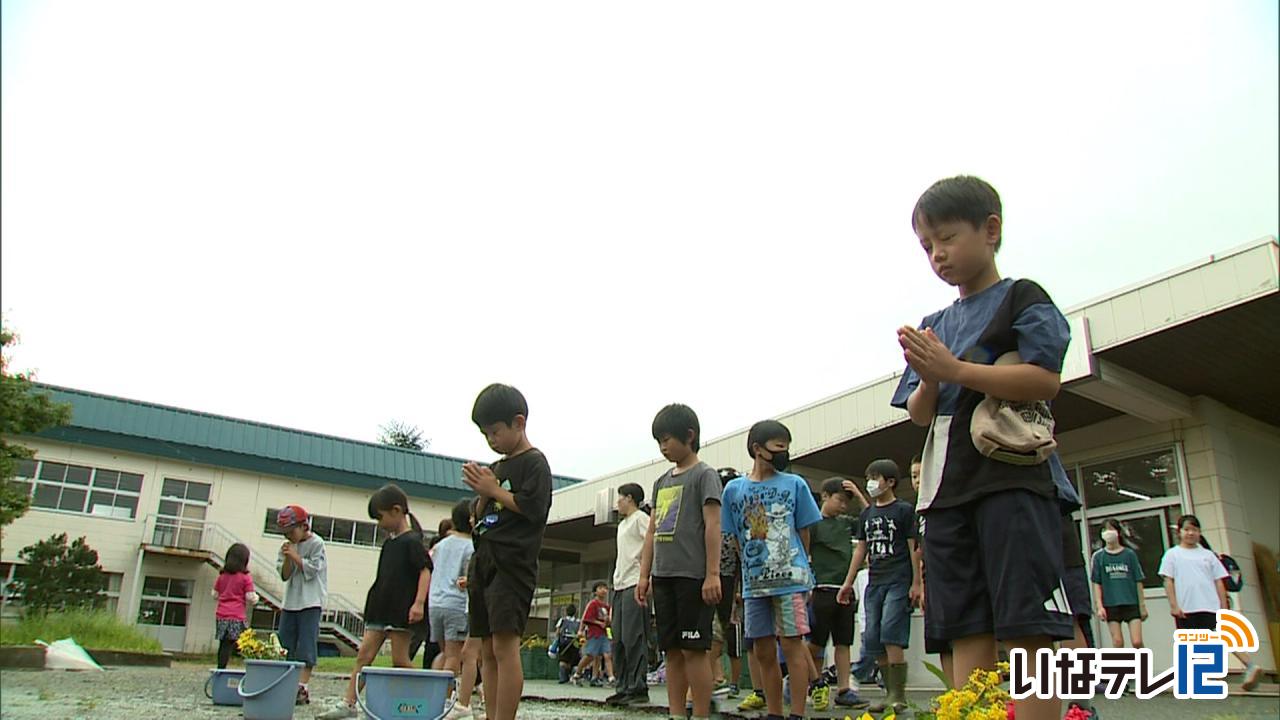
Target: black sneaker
[(615, 699)]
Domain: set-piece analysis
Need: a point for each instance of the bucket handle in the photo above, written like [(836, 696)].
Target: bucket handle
[(256, 693), (208, 687), (448, 706)]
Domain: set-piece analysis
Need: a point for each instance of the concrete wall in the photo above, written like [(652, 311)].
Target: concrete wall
[(238, 502)]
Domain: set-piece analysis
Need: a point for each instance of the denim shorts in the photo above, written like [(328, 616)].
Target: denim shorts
[(299, 633), (597, 646), (888, 617)]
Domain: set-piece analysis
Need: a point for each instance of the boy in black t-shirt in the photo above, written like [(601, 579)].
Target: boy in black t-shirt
[(886, 535), (511, 517), (994, 550)]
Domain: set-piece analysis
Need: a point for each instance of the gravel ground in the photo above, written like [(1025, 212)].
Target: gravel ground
[(177, 692)]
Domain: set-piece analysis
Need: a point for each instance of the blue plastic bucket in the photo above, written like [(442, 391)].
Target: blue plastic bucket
[(269, 689), (404, 693), (222, 687)]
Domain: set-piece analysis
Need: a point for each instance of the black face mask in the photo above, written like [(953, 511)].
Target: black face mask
[(781, 459)]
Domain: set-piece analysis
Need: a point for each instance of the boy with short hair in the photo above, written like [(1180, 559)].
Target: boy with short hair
[(682, 554), (596, 619), (886, 534), (630, 642), (770, 512), (831, 547), (994, 554), (305, 570), (511, 518)]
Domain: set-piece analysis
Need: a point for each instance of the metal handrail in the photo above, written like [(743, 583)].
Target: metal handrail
[(168, 531)]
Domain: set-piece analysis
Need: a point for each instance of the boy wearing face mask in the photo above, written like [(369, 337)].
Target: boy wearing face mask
[(886, 535), (769, 513)]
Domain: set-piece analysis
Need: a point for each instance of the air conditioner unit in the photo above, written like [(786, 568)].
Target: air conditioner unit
[(606, 511)]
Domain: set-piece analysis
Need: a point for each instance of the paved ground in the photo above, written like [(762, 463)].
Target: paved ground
[(160, 694)]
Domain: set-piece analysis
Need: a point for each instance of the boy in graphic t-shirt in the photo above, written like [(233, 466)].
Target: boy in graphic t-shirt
[(886, 534), (682, 554), (769, 512)]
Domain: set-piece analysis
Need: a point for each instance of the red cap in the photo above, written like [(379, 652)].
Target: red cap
[(291, 515)]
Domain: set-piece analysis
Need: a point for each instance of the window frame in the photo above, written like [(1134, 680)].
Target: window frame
[(1087, 515), (32, 484), (165, 600)]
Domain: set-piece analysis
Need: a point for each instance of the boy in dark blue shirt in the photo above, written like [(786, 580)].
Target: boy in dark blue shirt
[(886, 535), (994, 555)]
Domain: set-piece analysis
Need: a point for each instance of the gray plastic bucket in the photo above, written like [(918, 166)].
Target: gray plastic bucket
[(222, 687), (269, 689), (397, 693)]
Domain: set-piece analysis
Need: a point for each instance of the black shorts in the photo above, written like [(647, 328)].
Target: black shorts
[(1076, 582), (1123, 613), (934, 646), (500, 595), (995, 566), (831, 619), (1197, 621), (684, 621)]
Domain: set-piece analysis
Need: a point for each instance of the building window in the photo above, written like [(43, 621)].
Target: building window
[(334, 530), (165, 601), (181, 513), (1144, 493), (80, 488), (111, 590)]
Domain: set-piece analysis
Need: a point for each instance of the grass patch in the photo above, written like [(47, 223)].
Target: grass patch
[(98, 630), (347, 664)]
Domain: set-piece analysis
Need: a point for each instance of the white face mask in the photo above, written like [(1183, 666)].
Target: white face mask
[(1110, 536), (875, 488)]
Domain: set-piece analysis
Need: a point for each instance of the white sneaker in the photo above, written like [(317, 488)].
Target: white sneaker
[(1251, 676), (459, 712)]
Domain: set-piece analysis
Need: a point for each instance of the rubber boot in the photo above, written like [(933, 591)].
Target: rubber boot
[(897, 695), (882, 704)]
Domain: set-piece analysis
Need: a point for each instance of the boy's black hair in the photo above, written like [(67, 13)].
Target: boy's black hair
[(677, 420), (570, 610), (727, 474), (498, 403), (833, 485), (461, 515), (916, 459), (236, 560), (963, 197), (764, 431), (885, 468), (599, 584), (633, 491)]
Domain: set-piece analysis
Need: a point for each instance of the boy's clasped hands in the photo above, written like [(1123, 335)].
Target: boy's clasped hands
[(932, 360)]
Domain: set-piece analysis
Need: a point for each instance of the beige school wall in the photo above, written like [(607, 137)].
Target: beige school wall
[(238, 502)]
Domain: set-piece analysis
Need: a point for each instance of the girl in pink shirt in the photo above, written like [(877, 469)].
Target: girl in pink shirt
[(234, 590)]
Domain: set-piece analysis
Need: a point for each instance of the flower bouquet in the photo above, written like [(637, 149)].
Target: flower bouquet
[(252, 647)]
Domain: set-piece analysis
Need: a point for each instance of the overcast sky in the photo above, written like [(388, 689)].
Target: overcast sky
[(328, 215)]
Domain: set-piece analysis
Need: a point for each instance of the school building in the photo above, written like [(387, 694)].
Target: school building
[(1170, 404), (161, 493)]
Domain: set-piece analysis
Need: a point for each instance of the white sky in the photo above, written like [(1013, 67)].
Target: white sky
[(328, 215)]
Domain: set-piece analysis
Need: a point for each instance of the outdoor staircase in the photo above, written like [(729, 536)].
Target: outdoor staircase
[(340, 619)]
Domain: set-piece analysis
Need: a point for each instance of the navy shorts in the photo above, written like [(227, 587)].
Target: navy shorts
[(1076, 582), (299, 633), (995, 566), (888, 609)]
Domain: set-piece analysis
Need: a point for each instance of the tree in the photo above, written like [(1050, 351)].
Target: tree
[(59, 577), (22, 412), (403, 435)]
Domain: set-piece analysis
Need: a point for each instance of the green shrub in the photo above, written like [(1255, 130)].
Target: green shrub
[(96, 630)]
